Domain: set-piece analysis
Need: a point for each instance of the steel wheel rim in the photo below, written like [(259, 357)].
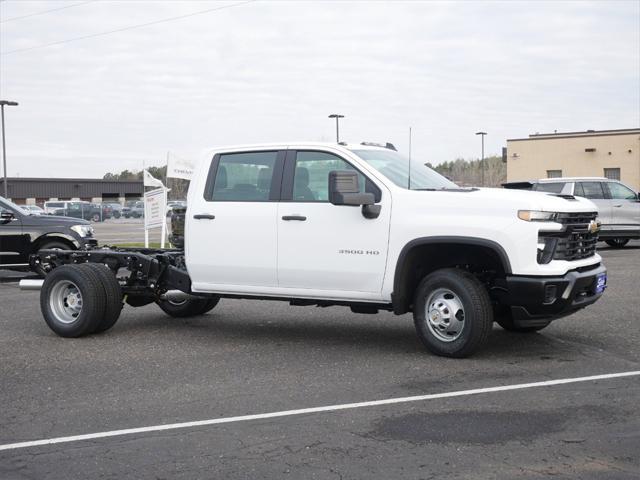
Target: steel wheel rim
[(445, 315), (65, 301)]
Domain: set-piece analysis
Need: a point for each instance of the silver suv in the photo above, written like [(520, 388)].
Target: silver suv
[(618, 205)]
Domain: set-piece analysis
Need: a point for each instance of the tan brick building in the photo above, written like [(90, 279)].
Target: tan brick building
[(595, 153)]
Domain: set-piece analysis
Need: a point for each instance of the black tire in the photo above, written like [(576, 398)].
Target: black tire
[(617, 242), (446, 290), (116, 214), (55, 306), (51, 244), (505, 320), (96, 217), (112, 295), (188, 308)]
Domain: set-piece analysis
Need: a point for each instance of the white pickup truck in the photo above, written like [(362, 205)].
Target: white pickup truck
[(352, 225)]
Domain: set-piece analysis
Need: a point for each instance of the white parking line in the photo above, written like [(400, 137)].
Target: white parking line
[(303, 411)]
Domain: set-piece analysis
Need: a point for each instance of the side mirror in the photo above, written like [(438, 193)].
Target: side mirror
[(6, 217), (345, 190)]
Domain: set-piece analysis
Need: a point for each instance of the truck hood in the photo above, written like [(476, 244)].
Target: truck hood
[(500, 198), (54, 220)]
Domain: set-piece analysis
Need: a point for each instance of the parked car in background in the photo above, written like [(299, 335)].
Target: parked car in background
[(85, 210), (173, 204), (116, 209), (134, 210), (104, 210), (50, 207), (618, 205), (32, 209), (22, 234)]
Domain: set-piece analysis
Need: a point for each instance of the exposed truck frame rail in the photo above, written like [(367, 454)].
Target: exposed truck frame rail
[(157, 274), (151, 272)]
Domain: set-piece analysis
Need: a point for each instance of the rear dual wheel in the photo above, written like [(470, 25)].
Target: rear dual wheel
[(78, 300)]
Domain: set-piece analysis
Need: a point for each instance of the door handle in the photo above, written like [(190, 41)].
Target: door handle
[(299, 218), (204, 216), (618, 205)]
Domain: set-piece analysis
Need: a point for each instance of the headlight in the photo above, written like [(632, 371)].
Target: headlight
[(537, 216), (83, 230)]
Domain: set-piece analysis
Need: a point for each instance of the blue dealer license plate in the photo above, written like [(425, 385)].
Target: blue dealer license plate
[(601, 282)]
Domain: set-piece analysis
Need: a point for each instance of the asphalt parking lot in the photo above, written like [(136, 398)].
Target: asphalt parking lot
[(260, 357)]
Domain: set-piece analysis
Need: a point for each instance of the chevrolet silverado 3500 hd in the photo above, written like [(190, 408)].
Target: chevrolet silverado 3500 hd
[(352, 225)]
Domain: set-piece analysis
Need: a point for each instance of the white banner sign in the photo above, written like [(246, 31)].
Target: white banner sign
[(151, 181), (155, 208), (179, 168)]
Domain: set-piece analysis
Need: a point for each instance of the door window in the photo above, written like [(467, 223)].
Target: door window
[(621, 192), (311, 176), (592, 190), (243, 177)]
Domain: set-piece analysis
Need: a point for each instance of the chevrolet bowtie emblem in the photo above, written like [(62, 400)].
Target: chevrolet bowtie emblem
[(593, 226)]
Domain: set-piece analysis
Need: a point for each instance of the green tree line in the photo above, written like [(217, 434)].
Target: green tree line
[(469, 172)]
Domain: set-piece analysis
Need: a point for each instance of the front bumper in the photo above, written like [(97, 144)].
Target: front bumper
[(534, 301), (87, 243)]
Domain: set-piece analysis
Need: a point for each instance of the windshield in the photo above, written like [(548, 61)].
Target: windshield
[(9, 205), (396, 168)]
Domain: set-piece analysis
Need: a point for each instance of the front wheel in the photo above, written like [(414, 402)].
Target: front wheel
[(452, 313), (188, 307), (617, 242)]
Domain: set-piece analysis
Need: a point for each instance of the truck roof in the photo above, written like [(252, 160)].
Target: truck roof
[(569, 179), (299, 144)]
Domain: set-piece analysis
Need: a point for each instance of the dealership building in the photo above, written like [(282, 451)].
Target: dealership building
[(36, 191), (613, 154)]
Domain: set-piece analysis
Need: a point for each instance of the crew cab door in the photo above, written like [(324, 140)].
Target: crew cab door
[(14, 245), (327, 247), (231, 226)]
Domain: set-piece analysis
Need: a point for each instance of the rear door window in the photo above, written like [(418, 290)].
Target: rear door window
[(591, 190), (243, 177)]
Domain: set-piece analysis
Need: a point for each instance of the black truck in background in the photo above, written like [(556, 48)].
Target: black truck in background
[(22, 235)]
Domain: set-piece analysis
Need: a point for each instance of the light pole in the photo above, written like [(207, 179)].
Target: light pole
[(4, 148), (482, 134), (337, 116)]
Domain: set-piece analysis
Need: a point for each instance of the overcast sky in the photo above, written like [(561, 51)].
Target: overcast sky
[(271, 71)]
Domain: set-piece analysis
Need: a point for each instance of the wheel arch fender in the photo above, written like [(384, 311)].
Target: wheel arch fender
[(402, 281), (55, 236)]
